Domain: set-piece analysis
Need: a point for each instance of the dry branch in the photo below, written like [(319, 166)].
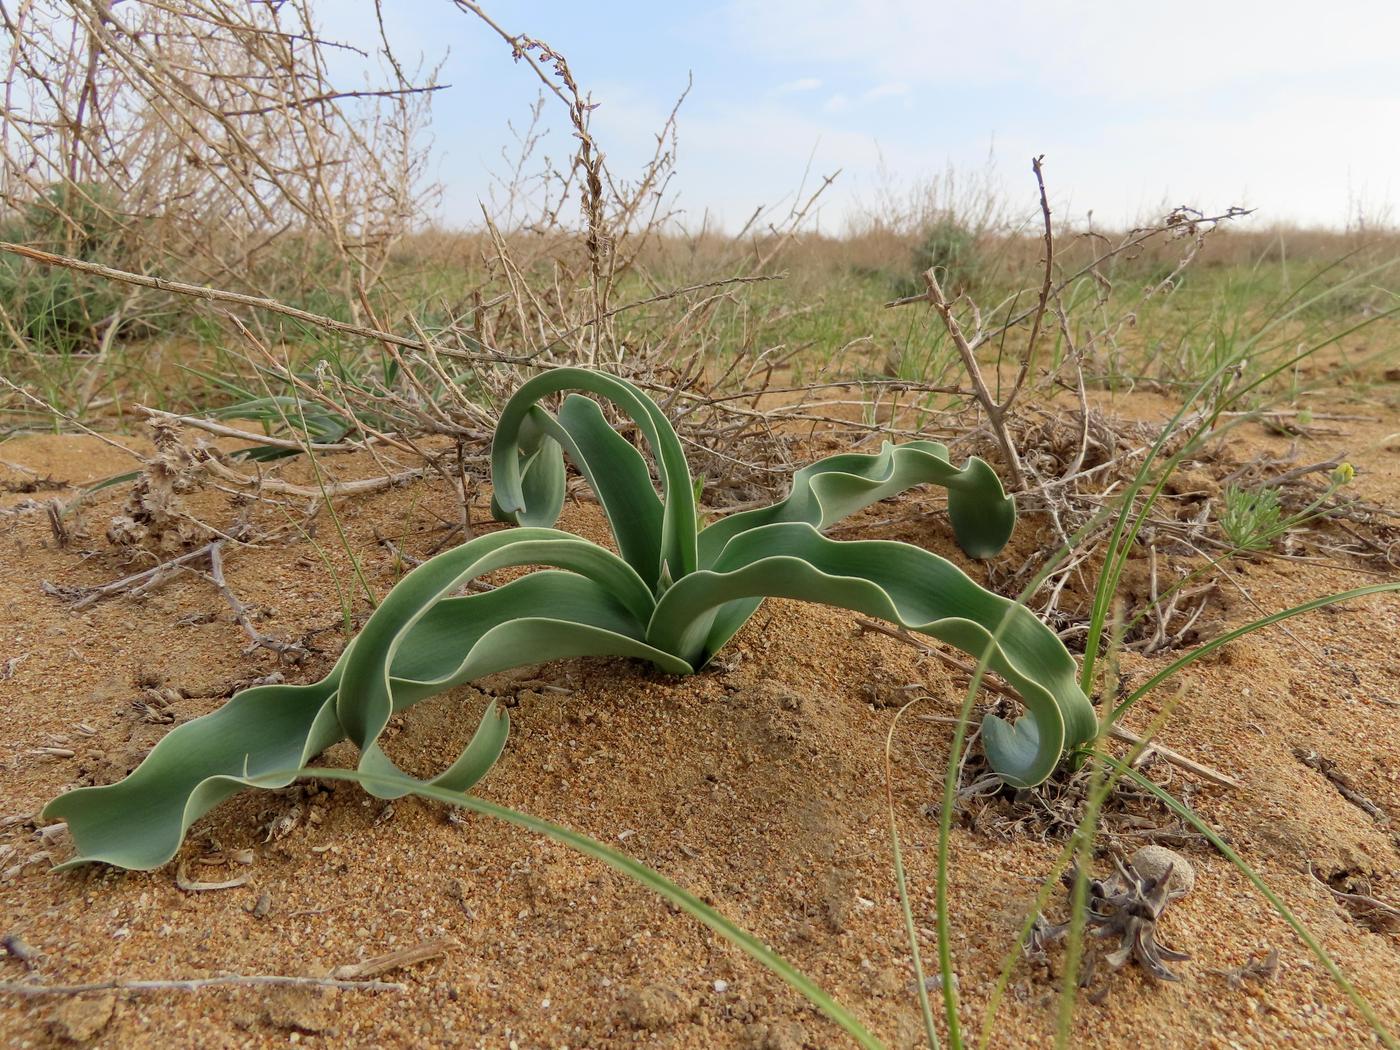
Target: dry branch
[(195, 984), (328, 491), (996, 412), (223, 430), (396, 960), (206, 138), (253, 301), (257, 640)]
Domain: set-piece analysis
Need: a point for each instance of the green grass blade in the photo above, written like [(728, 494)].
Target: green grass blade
[(911, 931), (1126, 526)]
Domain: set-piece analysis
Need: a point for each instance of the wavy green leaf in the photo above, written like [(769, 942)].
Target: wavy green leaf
[(916, 589), (678, 529), (618, 475), (834, 488), (543, 480), (418, 643), (825, 492)]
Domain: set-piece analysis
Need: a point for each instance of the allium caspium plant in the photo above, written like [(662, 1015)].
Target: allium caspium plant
[(673, 595)]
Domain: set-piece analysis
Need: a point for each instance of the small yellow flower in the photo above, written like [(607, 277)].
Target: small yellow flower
[(1343, 474)]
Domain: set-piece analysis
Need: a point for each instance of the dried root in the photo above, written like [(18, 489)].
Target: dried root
[(1126, 907)]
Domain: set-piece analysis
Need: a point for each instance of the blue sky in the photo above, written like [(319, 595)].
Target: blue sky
[(1289, 107)]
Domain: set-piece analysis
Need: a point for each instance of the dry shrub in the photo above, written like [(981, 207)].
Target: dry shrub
[(204, 140)]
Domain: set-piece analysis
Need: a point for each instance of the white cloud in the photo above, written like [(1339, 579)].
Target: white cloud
[(1279, 105), (1158, 51), (1283, 106), (886, 90), (734, 161), (881, 93), (1316, 176)]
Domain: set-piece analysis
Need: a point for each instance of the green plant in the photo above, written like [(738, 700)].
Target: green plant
[(1129, 513), (1253, 519), (675, 595), (1133, 508), (54, 309), (951, 247)]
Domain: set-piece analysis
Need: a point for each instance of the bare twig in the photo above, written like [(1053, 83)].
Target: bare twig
[(330, 490), (996, 414), (333, 96), (184, 882), (1341, 782), (1119, 732), (195, 984), (257, 639), (255, 302), (1028, 358), (223, 430), (137, 582), (189, 135), (396, 960), (1365, 908)]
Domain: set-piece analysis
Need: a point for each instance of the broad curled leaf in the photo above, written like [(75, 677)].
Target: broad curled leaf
[(611, 465), (834, 488), (909, 586), (419, 642)]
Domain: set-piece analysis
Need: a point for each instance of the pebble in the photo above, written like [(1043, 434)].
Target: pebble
[(82, 1020), (1152, 862)]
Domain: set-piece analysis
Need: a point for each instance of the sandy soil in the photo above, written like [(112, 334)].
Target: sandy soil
[(757, 784)]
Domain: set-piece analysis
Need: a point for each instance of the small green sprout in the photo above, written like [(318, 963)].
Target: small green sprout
[(1253, 519), (673, 595)]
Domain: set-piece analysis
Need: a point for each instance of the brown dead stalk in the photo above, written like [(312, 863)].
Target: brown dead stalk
[(257, 640), (963, 319), (396, 960), (995, 410), (206, 138)]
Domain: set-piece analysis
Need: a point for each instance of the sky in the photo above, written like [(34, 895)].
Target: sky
[(1290, 108)]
